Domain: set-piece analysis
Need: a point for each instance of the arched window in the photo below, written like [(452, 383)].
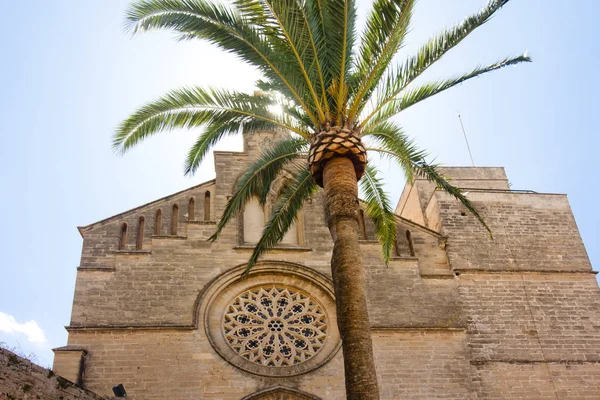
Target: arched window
[(254, 221), (207, 206), (158, 222), (140, 233), (362, 229), (191, 209), (291, 236), (174, 219), (411, 246), (123, 236)]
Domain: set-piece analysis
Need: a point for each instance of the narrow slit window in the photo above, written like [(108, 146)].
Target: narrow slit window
[(207, 206), (191, 209), (396, 247), (174, 219), (158, 222), (411, 246), (123, 236), (362, 229), (139, 243)]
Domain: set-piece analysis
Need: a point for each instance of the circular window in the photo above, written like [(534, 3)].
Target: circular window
[(275, 326), (278, 321)]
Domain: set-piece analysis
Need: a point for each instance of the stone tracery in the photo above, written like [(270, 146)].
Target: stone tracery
[(275, 326)]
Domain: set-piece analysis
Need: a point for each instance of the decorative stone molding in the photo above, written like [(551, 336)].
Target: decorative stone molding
[(278, 321), (280, 393)]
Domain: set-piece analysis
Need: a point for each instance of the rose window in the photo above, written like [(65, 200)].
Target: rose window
[(275, 327)]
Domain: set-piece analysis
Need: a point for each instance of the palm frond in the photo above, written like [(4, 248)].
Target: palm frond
[(395, 144), (420, 168), (379, 209), (285, 22), (339, 22), (291, 198), (257, 180), (431, 173), (412, 96), (222, 26), (386, 28), (193, 107), (399, 78)]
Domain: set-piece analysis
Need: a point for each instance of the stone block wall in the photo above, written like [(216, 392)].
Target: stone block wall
[(455, 315)]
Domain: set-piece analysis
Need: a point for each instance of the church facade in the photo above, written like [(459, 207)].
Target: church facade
[(454, 315)]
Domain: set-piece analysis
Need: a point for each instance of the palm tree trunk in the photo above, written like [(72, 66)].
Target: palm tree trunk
[(341, 211)]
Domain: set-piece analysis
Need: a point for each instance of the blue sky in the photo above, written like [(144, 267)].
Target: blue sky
[(69, 75)]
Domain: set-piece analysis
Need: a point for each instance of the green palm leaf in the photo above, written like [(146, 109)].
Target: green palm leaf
[(193, 107), (339, 22), (222, 25), (379, 209), (291, 199), (394, 143), (285, 22), (257, 180), (400, 77), (412, 96), (384, 34)]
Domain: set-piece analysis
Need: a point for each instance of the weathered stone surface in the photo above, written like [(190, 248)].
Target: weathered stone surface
[(21, 379), (454, 315)]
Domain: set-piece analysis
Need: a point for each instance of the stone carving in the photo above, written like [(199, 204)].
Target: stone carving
[(275, 326)]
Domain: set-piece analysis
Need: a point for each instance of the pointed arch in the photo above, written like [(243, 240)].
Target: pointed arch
[(123, 236), (280, 393), (174, 218), (191, 209), (158, 222), (139, 240), (207, 206)]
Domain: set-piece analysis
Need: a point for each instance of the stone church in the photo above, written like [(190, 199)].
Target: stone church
[(455, 315)]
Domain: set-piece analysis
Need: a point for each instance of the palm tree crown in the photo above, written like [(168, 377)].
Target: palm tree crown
[(334, 88), (321, 76)]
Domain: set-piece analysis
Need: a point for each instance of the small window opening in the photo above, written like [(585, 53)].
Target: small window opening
[(207, 206), (139, 243), (411, 246), (396, 247), (174, 219), (123, 236), (362, 229), (158, 222), (191, 209)]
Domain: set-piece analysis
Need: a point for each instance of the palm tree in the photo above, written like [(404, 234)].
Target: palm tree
[(333, 89)]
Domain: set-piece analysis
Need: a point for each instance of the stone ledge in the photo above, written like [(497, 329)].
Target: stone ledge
[(195, 222), (515, 361), (404, 258), (290, 248), (110, 327), (133, 252), (92, 268), (172, 237), (70, 348), (437, 276), (458, 271), (419, 328)]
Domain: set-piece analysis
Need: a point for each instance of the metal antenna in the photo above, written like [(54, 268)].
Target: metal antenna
[(466, 140)]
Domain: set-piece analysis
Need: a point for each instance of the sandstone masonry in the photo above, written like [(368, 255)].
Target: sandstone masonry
[(455, 315)]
